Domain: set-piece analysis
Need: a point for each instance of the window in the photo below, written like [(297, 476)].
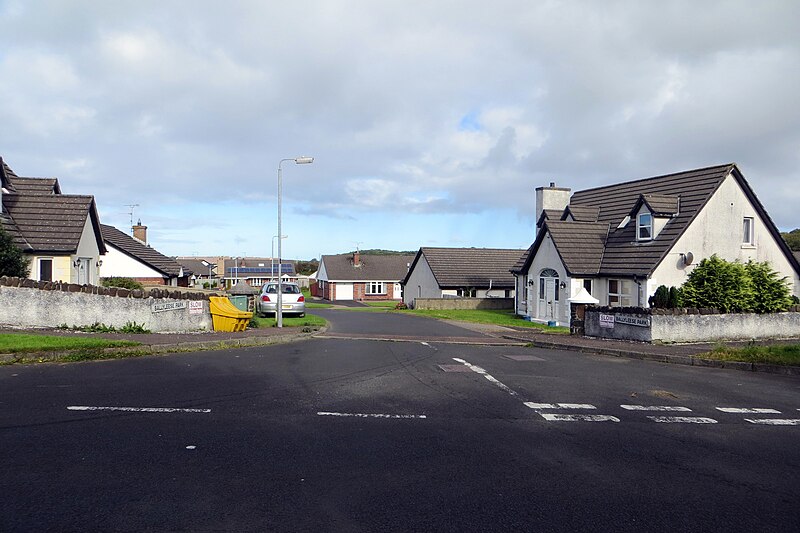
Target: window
[(619, 293), (45, 270), (645, 227), (467, 293), (587, 284), (747, 231), (376, 287)]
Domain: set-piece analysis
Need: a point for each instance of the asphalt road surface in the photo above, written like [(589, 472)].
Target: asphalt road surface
[(355, 435)]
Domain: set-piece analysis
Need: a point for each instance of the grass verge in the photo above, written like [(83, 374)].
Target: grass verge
[(776, 354), (315, 305), (486, 316), (289, 321), (27, 343)]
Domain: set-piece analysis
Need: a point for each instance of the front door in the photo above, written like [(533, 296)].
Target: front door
[(83, 271), (548, 295)]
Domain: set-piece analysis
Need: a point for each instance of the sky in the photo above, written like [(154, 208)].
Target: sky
[(430, 123)]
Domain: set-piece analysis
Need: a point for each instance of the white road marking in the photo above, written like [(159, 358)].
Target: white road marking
[(191, 447), (481, 371), (137, 409), (655, 408), (425, 344), (748, 410), (559, 417), (533, 405), (368, 415), (775, 421), (682, 419)]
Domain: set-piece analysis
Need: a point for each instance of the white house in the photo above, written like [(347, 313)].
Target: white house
[(131, 257), (460, 272), (621, 242), (58, 233)]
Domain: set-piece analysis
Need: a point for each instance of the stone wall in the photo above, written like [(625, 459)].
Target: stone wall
[(464, 303), (30, 303), (689, 325)]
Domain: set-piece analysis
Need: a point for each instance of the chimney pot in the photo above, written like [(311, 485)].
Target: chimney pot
[(140, 232)]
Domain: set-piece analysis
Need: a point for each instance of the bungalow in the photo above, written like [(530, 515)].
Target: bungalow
[(132, 257), (620, 242), (357, 277), (460, 272), (59, 233)]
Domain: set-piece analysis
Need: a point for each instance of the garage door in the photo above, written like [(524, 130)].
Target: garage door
[(344, 291)]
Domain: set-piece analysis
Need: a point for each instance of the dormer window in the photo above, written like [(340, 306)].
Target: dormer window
[(644, 227)]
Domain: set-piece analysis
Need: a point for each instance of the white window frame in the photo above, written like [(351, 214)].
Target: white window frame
[(748, 231), (641, 226), (620, 297), (375, 288)]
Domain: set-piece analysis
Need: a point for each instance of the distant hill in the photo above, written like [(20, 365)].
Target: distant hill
[(377, 251)]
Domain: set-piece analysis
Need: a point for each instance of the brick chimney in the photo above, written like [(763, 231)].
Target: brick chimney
[(140, 232), (356, 259)]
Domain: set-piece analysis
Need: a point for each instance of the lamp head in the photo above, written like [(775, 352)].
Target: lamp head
[(303, 160)]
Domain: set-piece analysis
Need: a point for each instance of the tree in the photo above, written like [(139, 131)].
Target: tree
[(719, 284), (771, 294), (792, 238), (12, 261)]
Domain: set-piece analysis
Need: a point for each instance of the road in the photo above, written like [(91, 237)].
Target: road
[(356, 435)]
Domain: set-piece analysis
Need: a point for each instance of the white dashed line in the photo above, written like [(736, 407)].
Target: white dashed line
[(137, 409), (655, 408), (481, 371), (775, 421), (748, 410), (559, 417), (682, 419), (533, 405), (368, 415)]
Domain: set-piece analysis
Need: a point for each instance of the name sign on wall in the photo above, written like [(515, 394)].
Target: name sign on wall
[(608, 321), (168, 306)]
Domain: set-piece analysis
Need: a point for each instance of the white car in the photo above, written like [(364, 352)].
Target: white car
[(293, 302)]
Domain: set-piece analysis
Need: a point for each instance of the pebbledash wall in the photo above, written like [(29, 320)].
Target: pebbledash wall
[(688, 325), (30, 303)]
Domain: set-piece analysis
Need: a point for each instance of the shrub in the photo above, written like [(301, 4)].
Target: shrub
[(719, 284), (12, 261), (660, 298), (736, 287), (400, 306), (122, 283), (771, 294), (675, 298)]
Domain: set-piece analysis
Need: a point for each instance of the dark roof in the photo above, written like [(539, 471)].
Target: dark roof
[(197, 266), (141, 252), (469, 267), (581, 213), (371, 267), (580, 244), (680, 196), (551, 214), (50, 223), (35, 185)]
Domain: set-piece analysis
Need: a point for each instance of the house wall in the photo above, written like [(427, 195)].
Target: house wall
[(422, 283), (718, 229), (547, 257), (118, 264), (62, 267), (360, 292), (87, 248), (464, 303)]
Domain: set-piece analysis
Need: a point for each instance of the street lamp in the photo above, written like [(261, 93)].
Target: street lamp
[(272, 257), (303, 160)]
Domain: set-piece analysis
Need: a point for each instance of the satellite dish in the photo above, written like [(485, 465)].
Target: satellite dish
[(688, 257)]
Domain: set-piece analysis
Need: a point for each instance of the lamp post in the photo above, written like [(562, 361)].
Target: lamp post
[(303, 160), (272, 256)]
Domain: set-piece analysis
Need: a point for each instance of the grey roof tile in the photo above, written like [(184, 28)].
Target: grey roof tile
[(471, 267), (371, 267)]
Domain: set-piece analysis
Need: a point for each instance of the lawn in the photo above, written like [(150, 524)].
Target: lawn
[(485, 316), (289, 321), (776, 354), (27, 343)]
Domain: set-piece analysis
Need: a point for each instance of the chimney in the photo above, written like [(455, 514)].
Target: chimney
[(140, 232), (356, 259), (550, 198)]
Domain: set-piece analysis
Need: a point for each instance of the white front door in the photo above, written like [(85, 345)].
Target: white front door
[(547, 299), (83, 271)]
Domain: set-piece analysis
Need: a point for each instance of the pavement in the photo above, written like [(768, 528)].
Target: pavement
[(490, 335)]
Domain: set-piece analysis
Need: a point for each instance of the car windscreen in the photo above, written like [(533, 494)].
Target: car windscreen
[(287, 289)]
